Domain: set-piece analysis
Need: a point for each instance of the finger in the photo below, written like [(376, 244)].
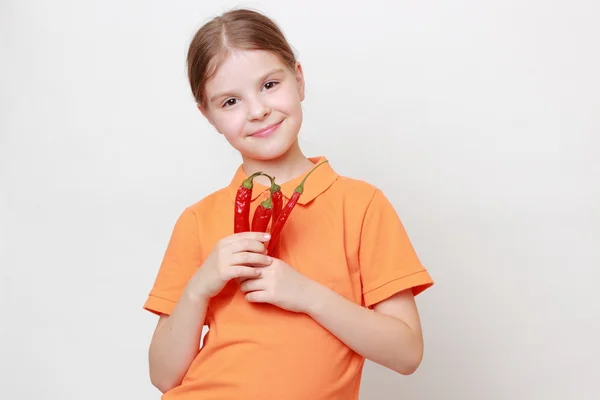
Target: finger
[(250, 245), (242, 271), (258, 236), (259, 296), (251, 285), (262, 274), (251, 259), (244, 279)]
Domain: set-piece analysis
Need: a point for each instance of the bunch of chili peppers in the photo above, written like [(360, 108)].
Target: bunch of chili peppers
[(271, 208)]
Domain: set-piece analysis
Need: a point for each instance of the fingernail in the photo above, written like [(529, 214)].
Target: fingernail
[(267, 236)]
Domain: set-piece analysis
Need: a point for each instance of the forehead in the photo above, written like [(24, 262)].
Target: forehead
[(242, 67)]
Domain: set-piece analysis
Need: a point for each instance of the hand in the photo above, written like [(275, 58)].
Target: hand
[(281, 285), (236, 256)]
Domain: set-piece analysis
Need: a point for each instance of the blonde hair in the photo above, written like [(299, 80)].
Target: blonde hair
[(241, 29)]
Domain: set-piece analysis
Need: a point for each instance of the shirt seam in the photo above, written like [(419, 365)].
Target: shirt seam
[(195, 232), (394, 280), (162, 298), (362, 224)]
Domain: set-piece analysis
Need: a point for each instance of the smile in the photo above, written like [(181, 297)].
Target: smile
[(266, 131)]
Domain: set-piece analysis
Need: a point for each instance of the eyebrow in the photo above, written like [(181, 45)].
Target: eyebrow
[(228, 93)]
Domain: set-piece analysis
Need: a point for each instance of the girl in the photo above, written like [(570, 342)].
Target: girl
[(297, 323)]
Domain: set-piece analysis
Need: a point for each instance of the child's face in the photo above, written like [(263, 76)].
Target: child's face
[(251, 91)]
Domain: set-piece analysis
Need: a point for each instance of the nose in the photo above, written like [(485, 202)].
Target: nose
[(258, 110)]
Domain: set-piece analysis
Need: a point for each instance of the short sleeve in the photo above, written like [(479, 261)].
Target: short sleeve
[(181, 260), (388, 262)]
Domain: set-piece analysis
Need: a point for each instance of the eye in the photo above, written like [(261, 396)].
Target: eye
[(270, 84), (229, 102)]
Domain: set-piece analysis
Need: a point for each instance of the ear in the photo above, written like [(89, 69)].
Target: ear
[(206, 115), (300, 80), (204, 112)]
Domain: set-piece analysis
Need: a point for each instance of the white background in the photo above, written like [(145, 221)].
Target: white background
[(479, 119)]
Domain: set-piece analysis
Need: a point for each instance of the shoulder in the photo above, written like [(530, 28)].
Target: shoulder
[(357, 190), (210, 203), (361, 198), (206, 208), (206, 220)]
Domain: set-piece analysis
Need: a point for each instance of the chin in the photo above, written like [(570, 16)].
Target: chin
[(269, 150), (267, 153)]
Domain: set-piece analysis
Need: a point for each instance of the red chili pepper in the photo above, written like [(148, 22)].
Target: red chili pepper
[(277, 198), (285, 212), (241, 220), (262, 216)]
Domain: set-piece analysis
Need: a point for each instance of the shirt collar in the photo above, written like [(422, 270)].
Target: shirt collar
[(318, 182)]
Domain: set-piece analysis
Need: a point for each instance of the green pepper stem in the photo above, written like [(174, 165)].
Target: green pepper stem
[(274, 187), (268, 203), (248, 182), (300, 187)]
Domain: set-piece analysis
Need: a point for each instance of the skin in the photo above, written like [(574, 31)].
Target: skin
[(252, 90)]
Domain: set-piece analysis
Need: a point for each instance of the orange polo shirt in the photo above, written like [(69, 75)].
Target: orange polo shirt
[(343, 233)]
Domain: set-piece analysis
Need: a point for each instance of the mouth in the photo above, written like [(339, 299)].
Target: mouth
[(266, 131)]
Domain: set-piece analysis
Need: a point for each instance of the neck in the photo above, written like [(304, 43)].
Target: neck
[(284, 168)]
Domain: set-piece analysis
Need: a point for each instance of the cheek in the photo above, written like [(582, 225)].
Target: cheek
[(289, 103), (231, 123)]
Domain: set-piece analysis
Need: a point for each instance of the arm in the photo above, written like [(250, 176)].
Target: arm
[(390, 335), (176, 341)]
